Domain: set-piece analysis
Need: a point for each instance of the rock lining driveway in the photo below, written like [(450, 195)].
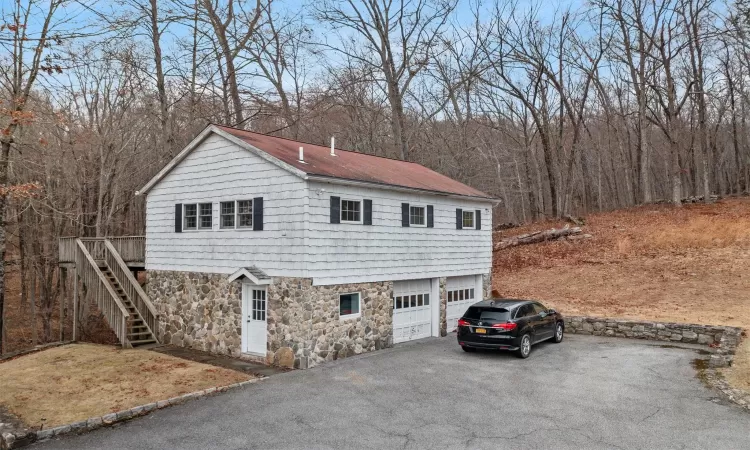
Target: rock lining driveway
[(587, 393)]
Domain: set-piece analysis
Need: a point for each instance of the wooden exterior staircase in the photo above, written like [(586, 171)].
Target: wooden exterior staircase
[(104, 268)]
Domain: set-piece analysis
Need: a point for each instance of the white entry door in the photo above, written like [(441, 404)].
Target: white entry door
[(412, 318), (255, 331), (462, 293)]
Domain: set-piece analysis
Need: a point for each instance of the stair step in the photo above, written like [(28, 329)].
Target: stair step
[(142, 342), (140, 333)]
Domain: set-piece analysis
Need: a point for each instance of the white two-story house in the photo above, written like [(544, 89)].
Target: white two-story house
[(297, 253)]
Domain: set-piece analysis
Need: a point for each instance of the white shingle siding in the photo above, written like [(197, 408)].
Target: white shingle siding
[(298, 239), (216, 171), (345, 253)]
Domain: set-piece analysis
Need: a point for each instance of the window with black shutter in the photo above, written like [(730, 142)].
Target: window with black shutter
[(335, 209), (367, 218), (258, 213), (178, 218)]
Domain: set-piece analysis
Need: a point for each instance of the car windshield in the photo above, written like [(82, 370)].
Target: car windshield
[(496, 315)]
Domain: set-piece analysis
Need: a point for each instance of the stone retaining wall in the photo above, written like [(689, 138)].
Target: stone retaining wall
[(723, 339)]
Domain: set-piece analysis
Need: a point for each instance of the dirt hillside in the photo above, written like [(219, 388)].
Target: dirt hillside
[(689, 264)]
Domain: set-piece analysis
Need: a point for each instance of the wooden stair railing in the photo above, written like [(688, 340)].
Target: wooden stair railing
[(130, 286), (115, 313), (138, 332)]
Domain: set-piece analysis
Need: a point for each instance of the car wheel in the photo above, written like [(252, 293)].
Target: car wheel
[(468, 349), (559, 332), (525, 348)]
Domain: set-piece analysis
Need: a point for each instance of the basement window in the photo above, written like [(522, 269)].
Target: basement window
[(349, 306)]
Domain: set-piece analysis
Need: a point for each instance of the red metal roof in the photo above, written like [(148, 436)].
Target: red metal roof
[(355, 166)]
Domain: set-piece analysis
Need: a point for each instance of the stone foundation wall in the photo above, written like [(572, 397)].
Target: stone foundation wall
[(204, 312), (486, 286), (305, 329), (443, 291), (197, 310), (723, 339)]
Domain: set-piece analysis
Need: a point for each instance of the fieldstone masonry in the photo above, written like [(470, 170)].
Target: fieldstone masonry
[(197, 310), (443, 282), (487, 285), (305, 329), (204, 312)]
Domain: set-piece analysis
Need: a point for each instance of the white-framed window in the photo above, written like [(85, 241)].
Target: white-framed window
[(351, 211), (226, 215), (244, 214), (236, 214), (349, 306), (417, 216), (468, 219), (460, 295), (205, 216), (190, 216), (411, 301)]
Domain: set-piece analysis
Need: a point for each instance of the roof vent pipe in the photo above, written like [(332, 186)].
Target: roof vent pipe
[(333, 149), (301, 154)]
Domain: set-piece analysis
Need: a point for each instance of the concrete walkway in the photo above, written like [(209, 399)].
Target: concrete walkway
[(586, 393)]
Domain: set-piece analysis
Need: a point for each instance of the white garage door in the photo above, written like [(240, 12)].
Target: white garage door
[(461, 294), (412, 318)]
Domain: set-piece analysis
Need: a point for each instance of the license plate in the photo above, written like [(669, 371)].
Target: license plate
[(480, 331)]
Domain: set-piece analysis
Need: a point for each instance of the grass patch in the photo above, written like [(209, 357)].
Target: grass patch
[(74, 382)]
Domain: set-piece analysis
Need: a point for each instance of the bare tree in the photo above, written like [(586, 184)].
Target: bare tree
[(233, 26), (399, 34)]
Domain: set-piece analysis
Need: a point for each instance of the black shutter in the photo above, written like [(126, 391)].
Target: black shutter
[(404, 214), (178, 218), (459, 218), (258, 213), (335, 209), (430, 218), (478, 219), (367, 216)]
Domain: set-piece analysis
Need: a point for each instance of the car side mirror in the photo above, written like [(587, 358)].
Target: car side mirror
[(551, 311)]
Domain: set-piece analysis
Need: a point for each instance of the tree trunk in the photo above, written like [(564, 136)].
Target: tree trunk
[(32, 304), (160, 83), (4, 155), (676, 173), (537, 236)]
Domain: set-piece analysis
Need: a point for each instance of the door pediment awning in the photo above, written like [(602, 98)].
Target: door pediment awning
[(251, 274)]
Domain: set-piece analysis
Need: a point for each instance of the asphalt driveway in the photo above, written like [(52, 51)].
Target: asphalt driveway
[(587, 392)]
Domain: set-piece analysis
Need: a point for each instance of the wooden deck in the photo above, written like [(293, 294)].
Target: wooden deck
[(132, 250)]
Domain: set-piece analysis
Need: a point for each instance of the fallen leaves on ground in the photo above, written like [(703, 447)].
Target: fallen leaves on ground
[(654, 262)]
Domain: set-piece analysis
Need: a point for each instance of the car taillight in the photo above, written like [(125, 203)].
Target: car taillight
[(463, 323), (505, 326)]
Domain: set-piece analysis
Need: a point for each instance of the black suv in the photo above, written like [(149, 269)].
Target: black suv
[(507, 324)]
